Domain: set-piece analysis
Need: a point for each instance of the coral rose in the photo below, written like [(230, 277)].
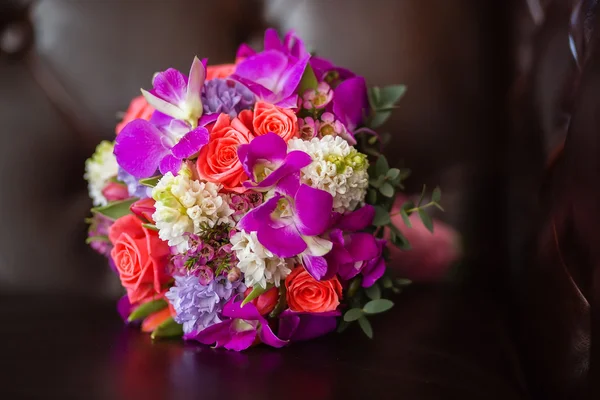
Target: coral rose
[(218, 160), (140, 258), (306, 294), (270, 118), (138, 109), (219, 71)]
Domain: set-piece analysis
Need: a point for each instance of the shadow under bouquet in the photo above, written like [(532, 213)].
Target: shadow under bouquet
[(248, 203)]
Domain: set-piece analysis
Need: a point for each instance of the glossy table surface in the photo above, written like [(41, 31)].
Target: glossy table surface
[(434, 344)]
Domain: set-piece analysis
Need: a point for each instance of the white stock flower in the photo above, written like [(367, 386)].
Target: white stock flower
[(184, 205), (337, 168), (99, 169)]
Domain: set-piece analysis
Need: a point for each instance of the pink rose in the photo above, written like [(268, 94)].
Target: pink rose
[(140, 258)]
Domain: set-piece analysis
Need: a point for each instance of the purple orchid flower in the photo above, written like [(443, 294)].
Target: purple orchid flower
[(352, 251), (269, 153), (295, 327), (290, 226), (274, 74), (240, 331), (350, 102), (162, 143), (177, 95), (326, 71)]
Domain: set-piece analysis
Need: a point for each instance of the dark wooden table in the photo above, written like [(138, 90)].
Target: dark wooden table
[(434, 344)]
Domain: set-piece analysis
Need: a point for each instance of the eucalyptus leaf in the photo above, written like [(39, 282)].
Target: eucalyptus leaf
[(393, 173), (379, 118), (365, 325), (373, 292), (404, 173), (150, 182), (436, 196), (147, 308), (343, 326), (371, 196), (376, 182), (387, 189), (353, 314), (405, 218), (378, 306), (97, 239), (390, 95), (403, 282), (387, 282), (426, 219), (381, 166), (382, 216), (354, 286), (374, 97), (398, 239), (256, 291), (168, 329), (308, 81), (152, 227), (115, 209)]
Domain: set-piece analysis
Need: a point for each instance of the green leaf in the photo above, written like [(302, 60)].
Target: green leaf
[(373, 292), (398, 239), (343, 326), (377, 182), (147, 308), (378, 306), (365, 325), (372, 140), (436, 196), (382, 216), (116, 209), (308, 81), (405, 218), (381, 166), (353, 314), (168, 329), (379, 118), (354, 286), (426, 219), (256, 291), (403, 282), (97, 239), (371, 196), (387, 282), (281, 302), (404, 173), (393, 173), (390, 95), (387, 190), (152, 227), (150, 182), (374, 97)]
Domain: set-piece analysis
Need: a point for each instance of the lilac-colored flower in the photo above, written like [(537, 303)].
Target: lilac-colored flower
[(226, 96), (268, 164), (240, 205), (240, 331), (350, 102), (294, 326), (98, 234), (134, 187), (199, 306), (319, 98), (307, 128), (162, 143), (289, 226), (177, 95), (205, 275)]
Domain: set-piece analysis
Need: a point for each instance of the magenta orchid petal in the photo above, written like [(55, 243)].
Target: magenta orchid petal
[(295, 45), (295, 326), (169, 163), (284, 242), (233, 309), (356, 220), (292, 77), (317, 267), (245, 51), (191, 143), (267, 336), (289, 185), (269, 147), (350, 102), (259, 90), (241, 340), (263, 68), (255, 219), (124, 307), (272, 41), (170, 85), (207, 119), (373, 272), (363, 246), (313, 210), (288, 102), (139, 148), (218, 334)]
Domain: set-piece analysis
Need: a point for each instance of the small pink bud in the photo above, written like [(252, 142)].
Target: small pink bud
[(234, 274), (144, 209), (115, 191)]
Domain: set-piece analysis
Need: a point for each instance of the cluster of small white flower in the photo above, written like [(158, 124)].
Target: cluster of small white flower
[(337, 168), (99, 169), (187, 205), (259, 265)]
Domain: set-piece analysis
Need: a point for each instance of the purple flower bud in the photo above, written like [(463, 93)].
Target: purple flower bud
[(234, 274), (307, 128), (330, 126), (206, 253), (240, 204), (317, 98), (205, 275)]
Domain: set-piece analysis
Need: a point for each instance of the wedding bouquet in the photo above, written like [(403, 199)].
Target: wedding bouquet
[(249, 203)]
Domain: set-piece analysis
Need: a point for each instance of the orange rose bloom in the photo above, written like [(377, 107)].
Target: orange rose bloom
[(219, 71), (140, 258), (306, 294), (270, 118), (138, 109), (218, 160)]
